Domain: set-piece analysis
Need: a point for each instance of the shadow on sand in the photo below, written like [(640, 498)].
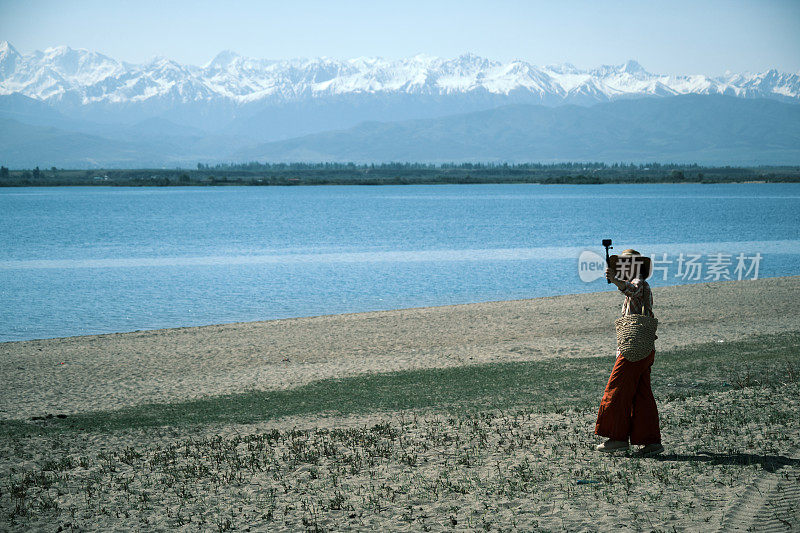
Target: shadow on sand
[(770, 463)]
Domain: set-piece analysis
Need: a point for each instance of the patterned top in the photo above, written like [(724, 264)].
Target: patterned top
[(637, 293)]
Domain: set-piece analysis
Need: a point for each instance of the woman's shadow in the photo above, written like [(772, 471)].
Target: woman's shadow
[(770, 463)]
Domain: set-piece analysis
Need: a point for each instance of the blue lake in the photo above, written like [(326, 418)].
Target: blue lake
[(77, 261)]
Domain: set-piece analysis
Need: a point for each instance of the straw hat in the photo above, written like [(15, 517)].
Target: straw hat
[(644, 262)]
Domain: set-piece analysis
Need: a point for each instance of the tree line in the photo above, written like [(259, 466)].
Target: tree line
[(255, 174)]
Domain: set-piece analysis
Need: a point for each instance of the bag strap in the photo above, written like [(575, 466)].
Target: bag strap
[(646, 301)]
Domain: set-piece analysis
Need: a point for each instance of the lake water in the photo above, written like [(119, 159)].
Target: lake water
[(77, 261)]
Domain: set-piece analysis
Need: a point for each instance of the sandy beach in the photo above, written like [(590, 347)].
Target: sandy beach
[(99, 372)]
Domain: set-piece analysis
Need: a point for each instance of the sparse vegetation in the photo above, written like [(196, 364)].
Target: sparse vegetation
[(486, 447), (550, 385)]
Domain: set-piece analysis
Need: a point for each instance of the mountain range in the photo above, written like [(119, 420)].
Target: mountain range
[(77, 108), (702, 129)]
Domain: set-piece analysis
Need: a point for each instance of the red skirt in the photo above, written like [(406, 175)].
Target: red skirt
[(628, 409)]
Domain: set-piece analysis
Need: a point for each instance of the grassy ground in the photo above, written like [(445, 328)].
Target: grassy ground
[(495, 447), (552, 385)]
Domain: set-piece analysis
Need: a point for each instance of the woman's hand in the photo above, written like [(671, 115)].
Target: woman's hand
[(612, 278)]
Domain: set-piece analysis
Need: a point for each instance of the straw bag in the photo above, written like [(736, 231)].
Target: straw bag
[(636, 336)]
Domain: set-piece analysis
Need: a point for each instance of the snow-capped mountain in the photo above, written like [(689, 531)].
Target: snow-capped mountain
[(80, 77), (77, 108)]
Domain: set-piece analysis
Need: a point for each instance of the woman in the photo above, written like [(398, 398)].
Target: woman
[(628, 409)]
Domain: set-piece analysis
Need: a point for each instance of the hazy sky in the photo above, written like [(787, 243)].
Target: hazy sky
[(668, 37)]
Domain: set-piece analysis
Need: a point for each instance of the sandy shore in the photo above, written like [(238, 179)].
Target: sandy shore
[(110, 371), (731, 463)]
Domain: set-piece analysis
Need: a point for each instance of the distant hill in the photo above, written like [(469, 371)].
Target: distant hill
[(26, 146), (704, 129), (26, 141), (687, 128)]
